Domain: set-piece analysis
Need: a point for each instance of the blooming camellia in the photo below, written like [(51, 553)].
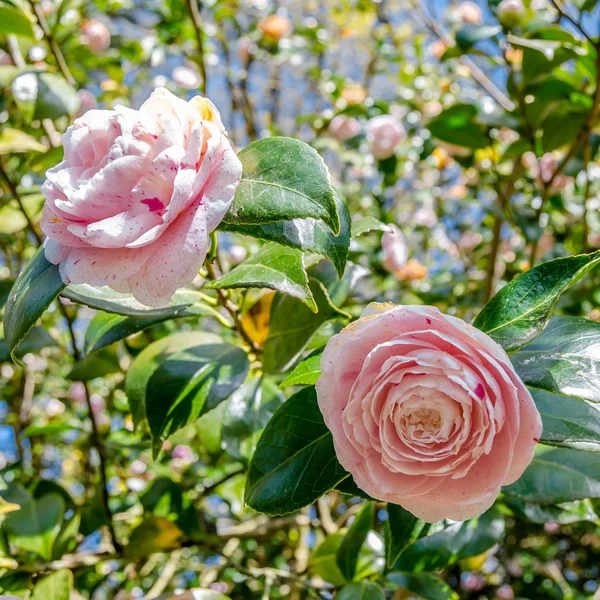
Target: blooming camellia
[(384, 134), (138, 192), (426, 411)]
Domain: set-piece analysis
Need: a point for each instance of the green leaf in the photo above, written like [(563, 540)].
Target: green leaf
[(306, 372), (246, 414), (103, 298), (347, 553), (153, 534), (521, 309), (95, 365), (361, 590), (563, 359), (180, 377), (569, 512), (66, 541), (15, 140), (294, 463), (424, 585), (34, 341), (401, 530), (34, 526), (309, 235), (558, 475), (283, 179), (38, 284), (56, 586), (293, 325), (458, 125), (458, 541), (14, 22), (42, 95), (275, 267), (468, 36), (366, 224), (568, 422)]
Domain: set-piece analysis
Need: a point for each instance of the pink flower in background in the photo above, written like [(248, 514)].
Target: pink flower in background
[(186, 77), (343, 127), (469, 13), (95, 35), (87, 101), (395, 249), (384, 134), (138, 192), (426, 411)]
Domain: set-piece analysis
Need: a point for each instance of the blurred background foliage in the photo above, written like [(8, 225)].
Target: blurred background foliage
[(477, 139)]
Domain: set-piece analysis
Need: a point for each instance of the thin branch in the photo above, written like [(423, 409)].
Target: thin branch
[(231, 308), (564, 14), (53, 45), (478, 75), (197, 23), (97, 441), (12, 188)]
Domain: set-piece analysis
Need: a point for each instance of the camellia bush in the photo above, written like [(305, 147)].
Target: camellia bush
[(333, 333)]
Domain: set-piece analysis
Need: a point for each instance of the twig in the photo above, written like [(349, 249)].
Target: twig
[(563, 14), (96, 438), (54, 47), (165, 577), (478, 75), (12, 188), (231, 308), (197, 23)]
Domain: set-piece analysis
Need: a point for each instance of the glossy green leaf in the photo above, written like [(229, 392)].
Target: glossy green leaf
[(106, 328), (568, 422), (347, 553), (293, 325), (12, 218), (361, 590), (309, 235), (180, 377), (306, 372), (558, 475), (457, 541), (246, 414), (66, 540), (275, 267), (44, 95), (564, 359), (521, 309), (458, 125), (283, 179), (424, 585), (294, 463), (56, 586), (103, 298), (401, 529), (569, 512), (15, 140), (36, 287), (14, 22), (34, 526), (95, 365)]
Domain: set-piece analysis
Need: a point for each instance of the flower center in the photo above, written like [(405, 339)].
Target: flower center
[(423, 423)]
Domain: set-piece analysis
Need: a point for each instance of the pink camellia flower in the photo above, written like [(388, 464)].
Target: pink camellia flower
[(87, 101), (138, 192), (343, 127), (426, 411), (384, 134), (395, 249), (95, 35)]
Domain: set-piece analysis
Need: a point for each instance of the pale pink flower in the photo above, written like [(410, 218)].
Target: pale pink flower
[(95, 35), (138, 192), (186, 77), (426, 411), (87, 101), (384, 134), (343, 127)]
